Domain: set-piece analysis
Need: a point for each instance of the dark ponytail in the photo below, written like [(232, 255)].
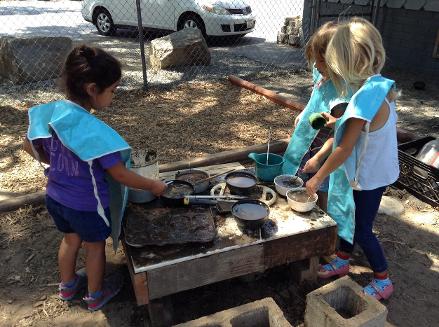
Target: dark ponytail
[(89, 65)]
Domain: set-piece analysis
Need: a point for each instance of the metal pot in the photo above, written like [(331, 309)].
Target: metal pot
[(193, 176), (240, 182), (250, 214), (140, 196), (176, 192)]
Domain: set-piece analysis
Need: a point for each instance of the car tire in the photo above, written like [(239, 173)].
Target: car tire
[(104, 22), (192, 21)]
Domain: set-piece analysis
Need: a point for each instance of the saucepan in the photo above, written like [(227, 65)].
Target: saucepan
[(251, 214)]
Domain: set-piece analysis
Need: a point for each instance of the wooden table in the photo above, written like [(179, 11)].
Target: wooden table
[(160, 271)]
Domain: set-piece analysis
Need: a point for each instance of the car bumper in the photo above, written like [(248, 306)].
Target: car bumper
[(217, 25)]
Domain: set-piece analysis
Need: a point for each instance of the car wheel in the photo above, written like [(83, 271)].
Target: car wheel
[(192, 21), (104, 22)]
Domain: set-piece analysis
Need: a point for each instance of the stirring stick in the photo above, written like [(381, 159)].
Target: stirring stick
[(268, 144)]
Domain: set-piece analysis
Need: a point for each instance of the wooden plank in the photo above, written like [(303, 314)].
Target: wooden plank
[(226, 156), (211, 170), (139, 281), (198, 272), (299, 247)]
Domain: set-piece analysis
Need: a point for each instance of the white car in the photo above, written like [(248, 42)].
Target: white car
[(213, 18)]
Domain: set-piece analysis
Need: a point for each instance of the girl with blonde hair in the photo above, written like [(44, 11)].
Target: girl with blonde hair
[(324, 99), (364, 158)]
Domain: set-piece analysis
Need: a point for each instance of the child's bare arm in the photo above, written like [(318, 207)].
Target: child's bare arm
[(339, 155), (129, 178), (28, 148), (313, 164)]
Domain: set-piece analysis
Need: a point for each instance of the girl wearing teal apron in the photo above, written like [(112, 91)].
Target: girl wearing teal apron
[(364, 159)]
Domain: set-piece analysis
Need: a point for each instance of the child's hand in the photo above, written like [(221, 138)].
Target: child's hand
[(158, 188), (330, 120), (311, 166), (313, 185)]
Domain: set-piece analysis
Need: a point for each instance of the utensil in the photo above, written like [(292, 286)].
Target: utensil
[(214, 176), (193, 176), (268, 144)]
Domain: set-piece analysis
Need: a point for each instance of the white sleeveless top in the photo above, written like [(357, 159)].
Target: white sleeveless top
[(379, 165)]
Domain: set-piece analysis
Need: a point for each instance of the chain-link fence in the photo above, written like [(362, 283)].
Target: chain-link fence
[(181, 39), (215, 38)]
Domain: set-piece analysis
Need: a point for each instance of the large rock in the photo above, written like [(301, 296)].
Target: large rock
[(183, 48), (25, 60)]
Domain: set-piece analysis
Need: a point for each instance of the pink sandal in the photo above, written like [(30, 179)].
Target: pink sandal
[(379, 292), (334, 268)]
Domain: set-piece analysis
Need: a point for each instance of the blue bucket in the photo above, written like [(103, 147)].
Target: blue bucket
[(267, 172)]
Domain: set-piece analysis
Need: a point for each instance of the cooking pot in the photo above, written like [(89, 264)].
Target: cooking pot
[(240, 182), (176, 192), (251, 214), (196, 177), (140, 196), (267, 171)]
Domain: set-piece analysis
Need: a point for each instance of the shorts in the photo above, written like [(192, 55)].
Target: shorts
[(87, 224)]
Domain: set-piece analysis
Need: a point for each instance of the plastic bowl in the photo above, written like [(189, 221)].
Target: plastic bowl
[(283, 183), (298, 200)]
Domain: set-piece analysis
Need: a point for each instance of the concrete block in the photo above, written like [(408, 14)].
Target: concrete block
[(343, 304), (260, 313)]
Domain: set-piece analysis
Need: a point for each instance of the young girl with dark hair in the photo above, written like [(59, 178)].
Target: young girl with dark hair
[(88, 171)]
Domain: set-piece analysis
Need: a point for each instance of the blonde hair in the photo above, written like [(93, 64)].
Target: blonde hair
[(318, 42), (354, 53)]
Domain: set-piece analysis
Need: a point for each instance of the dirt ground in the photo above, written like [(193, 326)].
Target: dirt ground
[(190, 120)]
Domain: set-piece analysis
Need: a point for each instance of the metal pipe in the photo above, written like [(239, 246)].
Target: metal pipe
[(142, 44)]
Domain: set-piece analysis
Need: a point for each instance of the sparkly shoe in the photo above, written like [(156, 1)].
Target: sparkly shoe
[(68, 292), (110, 289), (380, 289), (337, 267)]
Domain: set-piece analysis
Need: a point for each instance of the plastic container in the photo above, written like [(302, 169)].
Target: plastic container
[(283, 183), (429, 153), (266, 172), (300, 201), (416, 177)]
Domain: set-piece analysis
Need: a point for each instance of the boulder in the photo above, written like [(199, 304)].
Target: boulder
[(33, 59), (183, 48)]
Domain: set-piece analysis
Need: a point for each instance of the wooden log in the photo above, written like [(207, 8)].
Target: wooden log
[(271, 95), (36, 198), (225, 157)]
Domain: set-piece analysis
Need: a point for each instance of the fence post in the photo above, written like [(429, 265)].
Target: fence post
[(142, 44)]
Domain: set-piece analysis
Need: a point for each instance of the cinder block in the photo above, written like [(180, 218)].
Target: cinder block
[(260, 313), (343, 304)]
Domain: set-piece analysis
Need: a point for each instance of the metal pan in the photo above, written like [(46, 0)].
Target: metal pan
[(176, 192)]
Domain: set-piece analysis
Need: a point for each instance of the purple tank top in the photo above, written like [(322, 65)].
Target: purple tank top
[(69, 179)]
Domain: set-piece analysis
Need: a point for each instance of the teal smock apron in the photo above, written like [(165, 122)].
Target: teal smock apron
[(364, 105), (322, 99), (89, 138)]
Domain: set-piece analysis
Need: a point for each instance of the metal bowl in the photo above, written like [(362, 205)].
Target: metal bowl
[(140, 196), (193, 176)]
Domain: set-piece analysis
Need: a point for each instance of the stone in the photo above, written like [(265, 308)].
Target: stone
[(264, 312), (183, 48), (342, 303), (282, 38), (24, 60)]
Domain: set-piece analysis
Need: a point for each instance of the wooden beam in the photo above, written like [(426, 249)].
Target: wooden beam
[(36, 198), (202, 271)]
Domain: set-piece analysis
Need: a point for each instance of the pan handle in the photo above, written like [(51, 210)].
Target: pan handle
[(218, 189), (264, 197)]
